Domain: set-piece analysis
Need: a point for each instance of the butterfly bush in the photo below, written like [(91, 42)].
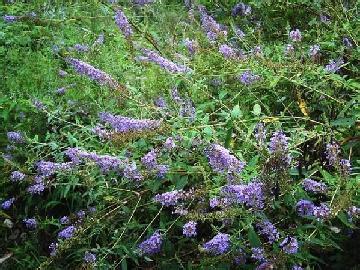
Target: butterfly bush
[(169, 66), (17, 176), (313, 186), (267, 229), (189, 229), (93, 73), (152, 245), (89, 257), (212, 29), (218, 245), (123, 23)]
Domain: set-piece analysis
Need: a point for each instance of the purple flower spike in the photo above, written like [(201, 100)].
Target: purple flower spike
[(290, 245), (67, 233), (123, 23), (218, 245), (89, 257), (295, 35), (7, 204), (17, 176), (314, 186), (189, 229), (152, 245), (30, 223), (93, 73), (170, 198)]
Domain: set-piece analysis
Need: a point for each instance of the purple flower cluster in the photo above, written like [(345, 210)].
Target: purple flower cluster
[(106, 163), (81, 47), (17, 176), (30, 223), (38, 186), (10, 18), (345, 167), (347, 42), (295, 35), (267, 229), (297, 267), (150, 162), (67, 233), (227, 51), (64, 220), (213, 29), (189, 229), (332, 153), (218, 245), (152, 245), (160, 102), (191, 45), (151, 56), (265, 266), (334, 65), (307, 208), (122, 124), (290, 245), (222, 161), (247, 78), (279, 149), (169, 143), (48, 168), (123, 23), (241, 9), (239, 33), (314, 186), (93, 73), (170, 198), (250, 194), (7, 204), (100, 40), (15, 137), (131, 171), (53, 249), (258, 253), (353, 211), (89, 257), (101, 132)]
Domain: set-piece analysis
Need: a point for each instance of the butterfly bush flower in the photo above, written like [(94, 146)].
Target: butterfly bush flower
[(169, 66), (222, 161), (122, 124), (53, 249), (89, 257), (169, 143), (265, 266), (353, 212), (160, 102), (81, 214), (93, 73), (81, 47), (10, 18), (101, 132), (48, 168), (279, 149), (332, 153), (7, 204), (143, 2), (289, 49), (267, 229), (227, 51), (191, 45), (152, 245), (131, 172), (30, 223), (324, 19), (123, 23), (314, 50), (322, 212), (251, 194), (314, 186), (212, 29), (15, 137), (297, 267), (258, 253), (149, 160), (64, 220), (241, 9), (240, 34), (17, 176), (247, 78), (295, 35), (189, 229), (39, 105), (170, 198), (67, 233), (290, 245), (345, 167), (218, 245), (334, 65), (305, 208)]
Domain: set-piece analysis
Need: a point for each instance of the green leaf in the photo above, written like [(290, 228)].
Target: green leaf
[(236, 112), (343, 122), (124, 265), (253, 238), (257, 109)]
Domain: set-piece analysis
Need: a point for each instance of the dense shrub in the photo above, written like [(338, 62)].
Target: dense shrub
[(179, 135)]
